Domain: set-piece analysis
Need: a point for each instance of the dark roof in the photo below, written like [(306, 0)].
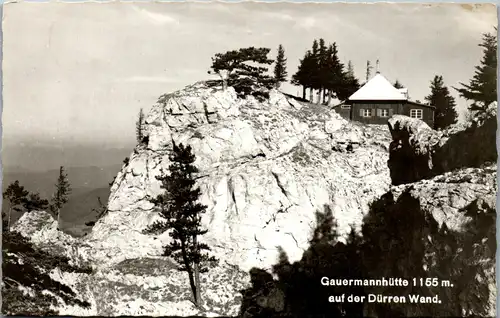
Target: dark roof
[(419, 104), (344, 103)]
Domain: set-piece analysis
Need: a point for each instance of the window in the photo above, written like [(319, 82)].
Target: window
[(416, 113), (383, 113), (366, 112)]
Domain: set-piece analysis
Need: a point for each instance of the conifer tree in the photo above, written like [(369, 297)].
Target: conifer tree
[(139, 127), (280, 72), (16, 194), (60, 197), (482, 88), (445, 113), (369, 68), (246, 79), (313, 70), (322, 72), (334, 73), (304, 74), (300, 77), (181, 213)]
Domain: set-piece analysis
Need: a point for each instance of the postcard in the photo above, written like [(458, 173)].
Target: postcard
[(249, 159)]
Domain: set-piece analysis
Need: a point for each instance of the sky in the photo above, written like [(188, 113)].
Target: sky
[(80, 72)]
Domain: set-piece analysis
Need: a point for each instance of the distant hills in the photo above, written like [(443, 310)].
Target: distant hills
[(88, 183), (45, 156), (90, 166)]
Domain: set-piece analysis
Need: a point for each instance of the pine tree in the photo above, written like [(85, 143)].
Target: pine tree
[(314, 72), (60, 197), (300, 77), (304, 74), (280, 72), (182, 214), (445, 113), (244, 78), (322, 70), (139, 127), (369, 68), (482, 88), (334, 71), (16, 194), (350, 84), (398, 85)]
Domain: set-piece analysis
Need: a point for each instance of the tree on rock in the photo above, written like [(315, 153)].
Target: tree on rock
[(280, 72), (60, 197), (16, 195), (304, 73), (445, 114), (482, 88), (181, 213), (246, 79), (139, 127)]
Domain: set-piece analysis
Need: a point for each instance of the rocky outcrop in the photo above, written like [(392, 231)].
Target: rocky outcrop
[(419, 152), (265, 167)]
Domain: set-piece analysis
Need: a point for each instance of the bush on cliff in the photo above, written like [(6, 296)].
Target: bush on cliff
[(27, 288)]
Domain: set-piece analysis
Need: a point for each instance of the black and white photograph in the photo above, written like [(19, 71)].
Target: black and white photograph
[(249, 159)]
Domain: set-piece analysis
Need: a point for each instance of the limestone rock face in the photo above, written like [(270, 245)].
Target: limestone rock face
[(265, 168), (419, 152)]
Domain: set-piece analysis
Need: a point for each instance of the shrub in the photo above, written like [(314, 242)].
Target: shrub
[(26, 267)]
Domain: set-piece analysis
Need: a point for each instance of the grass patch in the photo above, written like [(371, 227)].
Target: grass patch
[(145, 266), (300, 156)]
